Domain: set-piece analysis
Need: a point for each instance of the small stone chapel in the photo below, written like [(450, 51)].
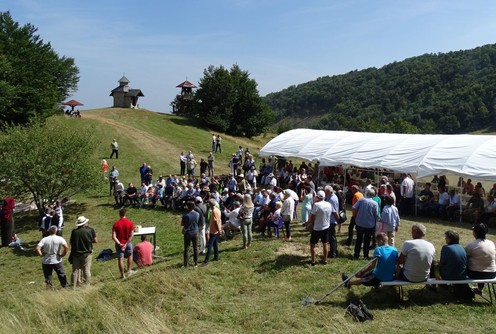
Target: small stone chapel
[(125, 97)]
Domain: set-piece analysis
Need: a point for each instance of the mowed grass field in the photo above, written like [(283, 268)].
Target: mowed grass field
[(256, 290)]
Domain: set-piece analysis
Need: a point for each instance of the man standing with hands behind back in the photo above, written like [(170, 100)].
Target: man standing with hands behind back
[(122, 234)]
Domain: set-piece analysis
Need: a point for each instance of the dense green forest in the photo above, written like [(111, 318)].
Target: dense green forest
[(451, 92)]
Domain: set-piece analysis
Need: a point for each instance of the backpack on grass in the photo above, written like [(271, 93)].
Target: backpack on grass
[(105, 255), (359, 311)]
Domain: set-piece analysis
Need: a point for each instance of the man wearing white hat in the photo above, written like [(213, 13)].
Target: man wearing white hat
[(82, 239)]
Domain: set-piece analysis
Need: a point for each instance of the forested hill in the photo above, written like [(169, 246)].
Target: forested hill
[(451, 92)]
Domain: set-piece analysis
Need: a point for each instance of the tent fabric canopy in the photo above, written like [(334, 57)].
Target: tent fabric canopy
[(425, 155)]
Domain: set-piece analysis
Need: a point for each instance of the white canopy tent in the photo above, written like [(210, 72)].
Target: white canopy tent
[(424, 155)]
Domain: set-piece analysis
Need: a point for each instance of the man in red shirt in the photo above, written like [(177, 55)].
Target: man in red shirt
[(143, 252), (122, 234)]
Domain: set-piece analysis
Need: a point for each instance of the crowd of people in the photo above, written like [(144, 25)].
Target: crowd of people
[(447, 203), (435, 199), (415, 262), (269, 199)]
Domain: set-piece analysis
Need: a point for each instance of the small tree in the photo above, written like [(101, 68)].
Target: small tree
[(45, 162), (34, 79)]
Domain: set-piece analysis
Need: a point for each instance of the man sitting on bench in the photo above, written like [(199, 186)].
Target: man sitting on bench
[(414, 263), (378, 271)]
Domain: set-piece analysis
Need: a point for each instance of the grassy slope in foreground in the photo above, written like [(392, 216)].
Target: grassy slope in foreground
[(248, 291)]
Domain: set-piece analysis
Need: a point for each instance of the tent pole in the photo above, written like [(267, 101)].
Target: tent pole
[(415, 194), (319, 176), (460, 199), (344, 177)]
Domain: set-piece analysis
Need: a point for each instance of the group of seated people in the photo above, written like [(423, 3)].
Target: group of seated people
[(416, 262), (448, 203), (171, 192), (445, 204)]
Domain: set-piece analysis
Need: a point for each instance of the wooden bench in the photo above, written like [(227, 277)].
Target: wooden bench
[(433, 281)]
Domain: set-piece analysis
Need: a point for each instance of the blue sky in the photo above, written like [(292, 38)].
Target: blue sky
[(158, 44)]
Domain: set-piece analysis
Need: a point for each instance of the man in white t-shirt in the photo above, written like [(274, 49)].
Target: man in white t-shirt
[(119, 192), (53, 248), (272, 181), (321, 218), (214, 140), (454, 204), (414, 263), (232, 223), (442, 202), (407, 194)]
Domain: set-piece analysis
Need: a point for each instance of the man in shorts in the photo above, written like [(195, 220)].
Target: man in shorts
[(381, 270), (321, 218), (122, 234)]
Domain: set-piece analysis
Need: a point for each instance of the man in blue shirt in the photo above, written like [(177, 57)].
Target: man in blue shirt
[(366, 210), (189, 222)]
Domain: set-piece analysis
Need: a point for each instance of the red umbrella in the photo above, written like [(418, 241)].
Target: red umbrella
[(72, 104)]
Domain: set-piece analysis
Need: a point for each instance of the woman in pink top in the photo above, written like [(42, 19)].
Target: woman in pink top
[(143, 252)]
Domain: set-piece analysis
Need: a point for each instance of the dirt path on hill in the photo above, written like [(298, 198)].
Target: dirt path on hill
[(143, 139)]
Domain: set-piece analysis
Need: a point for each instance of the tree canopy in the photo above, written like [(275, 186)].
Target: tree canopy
[(451, 92), (46, 162), (228, 101), (34, 79)]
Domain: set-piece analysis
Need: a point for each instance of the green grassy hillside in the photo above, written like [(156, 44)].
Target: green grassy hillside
[(432, 93), (247, 291)]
